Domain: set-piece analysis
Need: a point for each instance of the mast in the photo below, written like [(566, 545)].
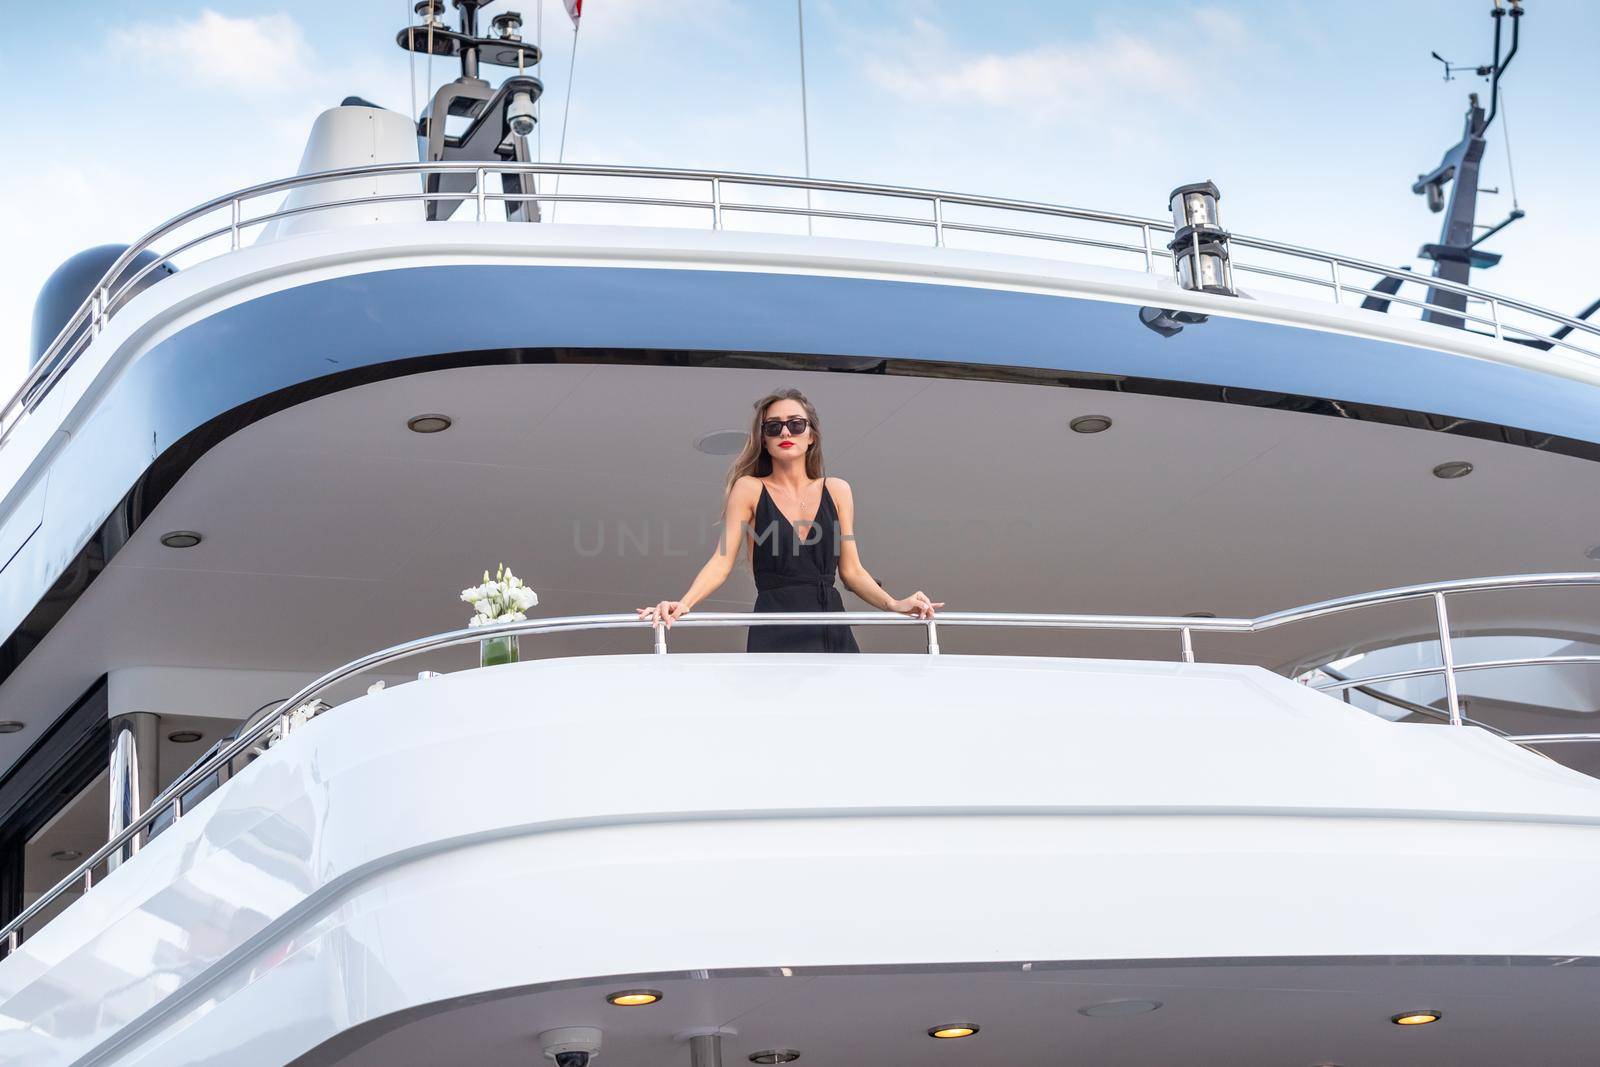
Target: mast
[(1457, 252), (499, 120)]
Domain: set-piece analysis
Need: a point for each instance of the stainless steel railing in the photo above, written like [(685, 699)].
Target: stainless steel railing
[(220, 225), (170, 803)]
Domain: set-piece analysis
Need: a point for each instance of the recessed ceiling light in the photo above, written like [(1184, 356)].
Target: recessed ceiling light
[(1456, 468), (66, 855), (181, 539), (10, 726), (722, 442), (634, 998), (951, 1031), (775, 1055), (1119, 1009), (1199, 614), (428, 423), (1090, 423), (1415, 1018), (184, 737)]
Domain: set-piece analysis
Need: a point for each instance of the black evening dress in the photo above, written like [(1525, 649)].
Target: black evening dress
[(796, 574)]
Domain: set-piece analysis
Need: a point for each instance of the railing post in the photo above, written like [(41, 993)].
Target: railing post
[(716, 203), (1149, 254), (1494, 313), (1188, 646), (88, 879), (97, 312), (1447, 654), (938, 222), (13, 941), (1338, 286), (233, 225), (661, 639), (933, 638), (131, 776), (480, 194)]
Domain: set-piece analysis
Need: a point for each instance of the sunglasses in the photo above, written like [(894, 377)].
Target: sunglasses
[(797, 426)]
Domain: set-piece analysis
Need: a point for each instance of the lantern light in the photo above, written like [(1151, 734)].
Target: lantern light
[(508, 26), (1199, 243)]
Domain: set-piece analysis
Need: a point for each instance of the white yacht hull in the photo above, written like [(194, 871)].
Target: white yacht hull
[(579, 823)]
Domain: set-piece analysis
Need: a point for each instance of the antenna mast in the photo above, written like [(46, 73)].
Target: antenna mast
[(1457, 251), (498, 121)]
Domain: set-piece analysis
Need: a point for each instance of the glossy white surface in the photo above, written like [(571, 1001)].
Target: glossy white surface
[(352, 137), (563, 819)]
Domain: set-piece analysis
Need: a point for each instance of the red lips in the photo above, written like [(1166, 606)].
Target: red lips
[(785, 444)]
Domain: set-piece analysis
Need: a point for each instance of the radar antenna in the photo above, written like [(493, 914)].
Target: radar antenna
[(498, 120), (1457, 252)]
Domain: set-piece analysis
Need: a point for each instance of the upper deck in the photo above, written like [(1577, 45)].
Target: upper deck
[(313, 315)]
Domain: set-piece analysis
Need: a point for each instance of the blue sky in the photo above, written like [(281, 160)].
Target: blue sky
[(1312, 117)]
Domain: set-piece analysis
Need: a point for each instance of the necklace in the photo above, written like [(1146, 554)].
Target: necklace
[(799, 503)]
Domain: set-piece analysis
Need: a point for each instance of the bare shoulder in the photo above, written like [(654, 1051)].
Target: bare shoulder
[(840, 488), (745, 490)]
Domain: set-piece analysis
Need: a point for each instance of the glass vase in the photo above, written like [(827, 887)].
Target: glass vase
[(496, 650)]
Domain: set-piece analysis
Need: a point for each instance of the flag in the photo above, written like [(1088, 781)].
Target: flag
[(575, 10)]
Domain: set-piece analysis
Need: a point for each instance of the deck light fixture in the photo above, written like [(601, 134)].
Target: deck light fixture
[(1416, 1018), (428, 423), (1119, 1009), (1456, 468), (10, 726), (66, 855), (634, 998), (951, 1031), (181, 539), (1090, 424), (184, 737), (1199, 243), (722, 442), (775, 1055)]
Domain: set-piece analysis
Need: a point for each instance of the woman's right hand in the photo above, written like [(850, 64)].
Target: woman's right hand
[(666, 612)]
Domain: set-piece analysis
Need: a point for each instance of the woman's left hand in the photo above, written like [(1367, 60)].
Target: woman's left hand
[(917, 605)]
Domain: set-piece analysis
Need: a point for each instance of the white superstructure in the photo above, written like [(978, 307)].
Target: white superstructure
[(1121, 803)]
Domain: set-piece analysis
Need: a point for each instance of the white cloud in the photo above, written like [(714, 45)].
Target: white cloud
[(251, 55), (1056, 79)]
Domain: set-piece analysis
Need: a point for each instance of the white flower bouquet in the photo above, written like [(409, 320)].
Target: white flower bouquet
[(503, 598)]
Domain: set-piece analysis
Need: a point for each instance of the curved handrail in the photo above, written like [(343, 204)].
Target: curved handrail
[(106, 298), (171, 799)]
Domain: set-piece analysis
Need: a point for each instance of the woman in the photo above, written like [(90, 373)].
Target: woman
[(777, 481)]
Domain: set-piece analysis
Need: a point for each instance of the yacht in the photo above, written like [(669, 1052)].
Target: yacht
[(1252, 733)]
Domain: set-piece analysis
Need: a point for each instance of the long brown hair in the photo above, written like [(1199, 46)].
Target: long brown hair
[(755, 460)]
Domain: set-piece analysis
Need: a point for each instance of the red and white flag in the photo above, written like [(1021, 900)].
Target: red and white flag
[(574, 10)]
